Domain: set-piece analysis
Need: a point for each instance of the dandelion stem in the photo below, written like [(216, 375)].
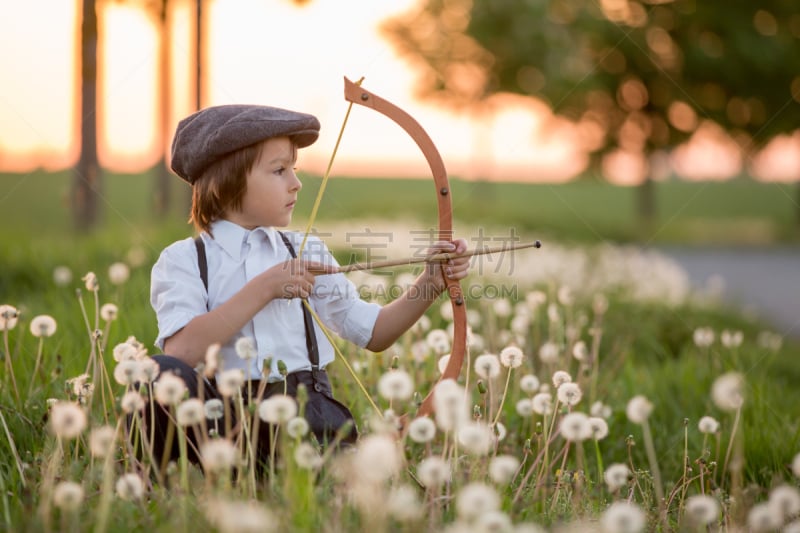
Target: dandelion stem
[(503, 398), (13, 447), (735, 427), (9, 366), (36, 365), (651, 457)]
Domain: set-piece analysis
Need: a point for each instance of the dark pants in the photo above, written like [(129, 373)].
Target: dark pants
[(325, 415)]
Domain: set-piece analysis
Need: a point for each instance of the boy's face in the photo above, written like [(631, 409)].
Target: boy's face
[(272, 187)]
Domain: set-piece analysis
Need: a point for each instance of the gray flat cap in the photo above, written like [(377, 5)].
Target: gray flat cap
[(209, 134)]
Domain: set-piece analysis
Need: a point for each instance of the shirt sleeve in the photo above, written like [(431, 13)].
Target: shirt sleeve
[(177, 293), (337, 302)]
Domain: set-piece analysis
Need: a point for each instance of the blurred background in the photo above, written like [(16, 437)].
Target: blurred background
[(670, 125)]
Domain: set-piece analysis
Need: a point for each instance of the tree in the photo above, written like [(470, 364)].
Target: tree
[(87, 177), (646, 74)]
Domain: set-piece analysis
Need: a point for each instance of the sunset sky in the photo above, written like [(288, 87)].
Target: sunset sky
[(266, 52)]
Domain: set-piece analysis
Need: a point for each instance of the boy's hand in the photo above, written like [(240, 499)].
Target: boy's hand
[(439, 272), (295, 278)]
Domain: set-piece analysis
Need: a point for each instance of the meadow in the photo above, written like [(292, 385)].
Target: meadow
[(601, 393)]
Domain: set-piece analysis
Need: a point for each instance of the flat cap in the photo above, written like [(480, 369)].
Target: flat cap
[(214, 132)]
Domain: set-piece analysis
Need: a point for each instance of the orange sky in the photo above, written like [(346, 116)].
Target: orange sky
[(267, 52)]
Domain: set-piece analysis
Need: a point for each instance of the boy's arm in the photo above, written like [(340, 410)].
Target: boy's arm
[(399, 315)]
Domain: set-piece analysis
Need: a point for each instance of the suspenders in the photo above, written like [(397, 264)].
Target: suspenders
[(311, 338)]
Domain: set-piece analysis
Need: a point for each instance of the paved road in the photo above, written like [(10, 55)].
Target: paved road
[(765, 281)]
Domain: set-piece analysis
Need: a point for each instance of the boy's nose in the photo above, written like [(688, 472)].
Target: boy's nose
[(297, 185)]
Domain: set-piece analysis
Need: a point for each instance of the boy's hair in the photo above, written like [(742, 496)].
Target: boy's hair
[(222, 186)]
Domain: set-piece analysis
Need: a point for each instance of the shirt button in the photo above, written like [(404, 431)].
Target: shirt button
[(317, 387)]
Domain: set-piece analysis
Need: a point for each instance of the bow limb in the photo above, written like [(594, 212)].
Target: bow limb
[(356, 94)]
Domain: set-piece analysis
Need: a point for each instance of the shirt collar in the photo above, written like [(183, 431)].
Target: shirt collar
[(231, 237)]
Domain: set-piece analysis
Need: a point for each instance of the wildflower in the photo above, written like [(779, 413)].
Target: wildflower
[(552, 313), (487, 366), (524, 407), (708, 424), (230, 382), (62, 275), (43, 326), (564, 296), (190, 412), (8, 317), (727, 391), (67, 420), (616, 476), (599, 427), (702, 509), (494, 521), (520, 324), (438, 341), (600, 410), (731, 339), (763, 517), (403, 504), (534, 299), (529, 383), (580, 352), (422, 429), (169, 389), (638, 409), (423, 324), (433, 472), (396, 385), (442, 363), (132, 402), (549, 353), (101, 439), (769, 340), (446, 311), (277, 409), (218, 455), (511, 357), (297, 427), (475, 499), (148, 370), (118, 273), (499, 431), (376, 458), (703, 337), (569, 394), (130, 487), (126, 351), (502, 307), (784, 500), (419, 351), (575, 427), (502, 468), (127, 372), (307, 457), (109, 312), (246, 348), (90, 280), (68, 496), (560, 377), (452, 408), (623, 517), (542, 403), (476, 438), (241, 517)]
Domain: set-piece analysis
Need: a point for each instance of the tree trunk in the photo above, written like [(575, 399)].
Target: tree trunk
[(87, 175), (163, 179), (198, 48)]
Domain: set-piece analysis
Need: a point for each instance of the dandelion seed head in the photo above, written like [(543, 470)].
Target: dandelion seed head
[(67, 420), (623, 517), (524, 407), (446, 311), (553, 314), (534, 299), (218, 455), (731, 339), (708, 425), (580, 352), (438, 340), (307, 457), (130, 487), (703, 337), (476, 438), (487, 366), (784, 500), (433, 472), (763, 517), (241, 517), (230, 382), (43, 326), (638, 409), (451, 406), (190, 412), (101, 440), (376, 458), (125, 351), (511, 357), (169, 389), (770, 341), (403, 504), (127, 372), (62, 275), (396, 385), (422, 325), (575, 427), (600, 410), (109, 312), (68, 496), (246, 348), (727, 391), (616, 476), (90, 282), (422, 429), (569, 393), (500, 431), (520, 324), (442, 363), (148, 370), (560, 377), (542, 403), (549, 352), (132, 402), (796, 465), (702, 509), (277, 409), (502, 468), (529, 383), (8, 317), (502, 307), (118, 273), (599, 427), (475, 499), (419, 351)]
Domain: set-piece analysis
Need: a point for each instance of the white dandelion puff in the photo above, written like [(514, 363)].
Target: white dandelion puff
[(502, 468), (438, 341), (487, 366), (524, 407), (564, 296), (214, 409), (549, 352), (600, 410), (511, 357), (130, 487), (623, 517), (131, 402), (118, 273), (708, 425), (433, 472), (90, 282), (241, 517), (169, 389), (542, 403), (8, 317), (580, 352), (67, 420), (520, 324), (502, 307), (476, 438), (785, 501), (703, 337), (638, 409), (297, 427), (422, 429), (230, 382), (529, 383), (727, 391), (101, 440), (475, 499), (68, 496), (403, 504), (218, 455), (190, 412), (109, 312), (569, 394), (396, 385), (43, 326), (762, 517), (560, 377), (245, 348), (442, 363), (796, 465), (731, 339), (277, 409), (575, 427), (125, 352), (553, 315), (148, 370), (702, 509), (599, 427), (616, 476), (377, 458), (62, 275), (307, 457), (452, 408), (127, 372)]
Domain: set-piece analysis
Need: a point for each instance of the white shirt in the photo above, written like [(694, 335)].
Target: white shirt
[(177, 295)]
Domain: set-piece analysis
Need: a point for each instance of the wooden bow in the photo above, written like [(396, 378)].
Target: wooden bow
[(356, 94)]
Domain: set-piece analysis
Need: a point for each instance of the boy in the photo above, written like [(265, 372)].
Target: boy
[(241, 278)]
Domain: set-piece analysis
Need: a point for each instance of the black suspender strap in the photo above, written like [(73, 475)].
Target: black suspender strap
[(311, 338)]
